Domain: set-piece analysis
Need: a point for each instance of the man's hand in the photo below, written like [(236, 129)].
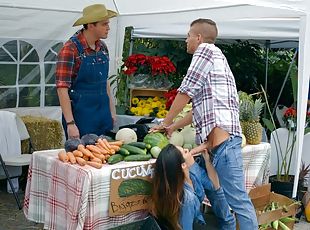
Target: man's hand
[(199, 149), (169, 130), (73, 131), (158, 128)]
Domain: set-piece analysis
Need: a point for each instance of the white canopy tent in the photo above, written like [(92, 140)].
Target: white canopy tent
[(42, 23)]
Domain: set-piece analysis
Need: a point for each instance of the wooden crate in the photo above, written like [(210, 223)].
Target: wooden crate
[(136, 92)]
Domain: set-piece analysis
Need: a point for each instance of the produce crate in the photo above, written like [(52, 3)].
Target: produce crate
[(261, 196), (137, 92)]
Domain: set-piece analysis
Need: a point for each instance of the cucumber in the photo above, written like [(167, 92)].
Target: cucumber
[(134, 187), (138, 157), (141, 145), (134, 149), (123, 151), (115, 159)]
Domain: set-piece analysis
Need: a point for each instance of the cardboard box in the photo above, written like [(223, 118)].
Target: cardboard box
[(262, 196)]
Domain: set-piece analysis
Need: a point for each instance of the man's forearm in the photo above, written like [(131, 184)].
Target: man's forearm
[(112, 106), (177, 106), (187, 120), (65, 103)]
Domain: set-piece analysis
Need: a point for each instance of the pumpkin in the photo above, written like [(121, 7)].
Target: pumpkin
[(127, 135)]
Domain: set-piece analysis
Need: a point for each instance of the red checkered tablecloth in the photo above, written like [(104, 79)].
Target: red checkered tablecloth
[(65, 196), (256, 164)]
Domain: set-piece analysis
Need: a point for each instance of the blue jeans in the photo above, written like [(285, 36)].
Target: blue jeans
[(228, 163)]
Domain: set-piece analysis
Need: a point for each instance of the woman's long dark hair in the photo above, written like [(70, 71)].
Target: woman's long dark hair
[(168, 190)]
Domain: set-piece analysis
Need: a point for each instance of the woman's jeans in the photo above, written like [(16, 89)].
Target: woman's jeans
[(228, 162)]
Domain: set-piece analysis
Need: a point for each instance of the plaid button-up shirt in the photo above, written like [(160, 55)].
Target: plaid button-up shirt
[(210, 84), (68, 60)]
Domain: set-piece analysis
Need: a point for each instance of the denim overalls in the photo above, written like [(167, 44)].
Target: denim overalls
[(88, 93)]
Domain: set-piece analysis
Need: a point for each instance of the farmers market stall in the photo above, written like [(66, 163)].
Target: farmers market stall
[(65, 196)]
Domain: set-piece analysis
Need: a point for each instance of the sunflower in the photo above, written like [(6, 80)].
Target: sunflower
[(162, 114), (162, 107), (155, 98), (150, 100), (133, 109), (142, 103), (135, 100), (138, 111)]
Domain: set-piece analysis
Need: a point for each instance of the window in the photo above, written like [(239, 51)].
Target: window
[(51, 98), (25, 80)]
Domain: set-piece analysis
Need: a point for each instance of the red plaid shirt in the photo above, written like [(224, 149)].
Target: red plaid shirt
[(68, 60)]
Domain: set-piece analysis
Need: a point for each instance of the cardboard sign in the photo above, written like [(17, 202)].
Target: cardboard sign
[(130, 189)]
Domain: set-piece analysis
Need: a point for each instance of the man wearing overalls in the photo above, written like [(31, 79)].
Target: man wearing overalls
[(81, 76)]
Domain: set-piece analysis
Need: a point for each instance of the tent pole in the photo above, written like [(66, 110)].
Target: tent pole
[(266, 72), (131, 43), (286, 77)]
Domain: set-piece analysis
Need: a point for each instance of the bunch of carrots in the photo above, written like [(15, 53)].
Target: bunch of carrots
[(93, 155)]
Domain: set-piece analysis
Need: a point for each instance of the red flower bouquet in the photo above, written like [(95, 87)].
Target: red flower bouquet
[(153, 65), (289, 114)]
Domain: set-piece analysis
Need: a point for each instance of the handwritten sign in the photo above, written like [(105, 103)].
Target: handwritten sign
[(130, 189)]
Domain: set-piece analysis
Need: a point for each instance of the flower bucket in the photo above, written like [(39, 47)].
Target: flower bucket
[(146, 81)]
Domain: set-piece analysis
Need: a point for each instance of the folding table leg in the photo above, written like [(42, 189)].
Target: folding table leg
[(10, 182)]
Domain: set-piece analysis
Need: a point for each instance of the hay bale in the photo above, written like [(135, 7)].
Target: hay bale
[(44, 133)]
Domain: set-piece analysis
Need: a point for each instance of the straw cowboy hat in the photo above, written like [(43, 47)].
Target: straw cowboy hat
[(95, 13)]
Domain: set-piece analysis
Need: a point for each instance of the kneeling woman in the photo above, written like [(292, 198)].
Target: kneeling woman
[(177, 189)]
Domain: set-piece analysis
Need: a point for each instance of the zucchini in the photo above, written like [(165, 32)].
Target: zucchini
[(115, 159), (134, 149), (141, 145), (138, 157), (123, 151)]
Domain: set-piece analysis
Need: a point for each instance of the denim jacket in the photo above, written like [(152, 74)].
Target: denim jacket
[(192, 199)]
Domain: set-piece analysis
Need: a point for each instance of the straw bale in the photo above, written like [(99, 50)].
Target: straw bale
[(44, 133)]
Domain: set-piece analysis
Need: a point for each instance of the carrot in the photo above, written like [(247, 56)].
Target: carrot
[(118, 143), (103, 151), (100, 156), (94, 149), (102, 144), (95, 164), (107, 157), (112, 151), (62, 155), (115, 147), (77, 153), (85, 151), (71, 157), (80, 161), (86, 158), (106, 143), (95, 159)]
